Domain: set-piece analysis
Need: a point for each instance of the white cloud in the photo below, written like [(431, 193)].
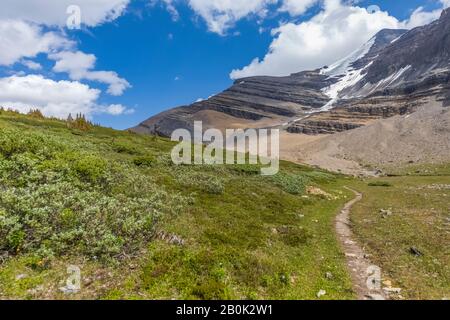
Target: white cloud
[(220, 15), (420, 17), (74, 63), (297, 7), (445, 3), (334, 33), (117, 109), (23, 37), (20, 39), (32, 65), (53, 98), (53, 12), (117, 85), (79, 66), (172, 10)]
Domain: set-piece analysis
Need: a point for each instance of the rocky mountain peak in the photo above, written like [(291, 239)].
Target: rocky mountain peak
[(397, 67)]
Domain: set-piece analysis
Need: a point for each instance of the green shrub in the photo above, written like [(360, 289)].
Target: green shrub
[(199, 180), (165, 160), (144, 161), (380, 184), (68, 218), (90, 168), (248, 169), (125, 147), (11, 234), (293, 236), (57, 201), (13, 142), (64, 219), (291, 183), (211, 289), (214, 185)]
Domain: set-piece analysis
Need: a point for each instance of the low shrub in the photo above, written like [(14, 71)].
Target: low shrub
[(247, 169), (380, 184), (291, 183), (125, 147), (145, 161), (209, 183), (90, 168), (57, 201), (293, 236), (13, 142), (211, 289)]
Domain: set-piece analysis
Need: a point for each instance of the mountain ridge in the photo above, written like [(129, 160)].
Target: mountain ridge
[(393, 73)]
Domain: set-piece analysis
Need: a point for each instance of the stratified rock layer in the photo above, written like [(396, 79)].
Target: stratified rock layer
[(393, 74)]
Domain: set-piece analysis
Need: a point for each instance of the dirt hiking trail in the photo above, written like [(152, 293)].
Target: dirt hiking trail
[(360, 268)]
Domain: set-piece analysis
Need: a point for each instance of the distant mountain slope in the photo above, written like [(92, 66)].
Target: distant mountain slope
[(249, 100), (422, 137), (395, 72)]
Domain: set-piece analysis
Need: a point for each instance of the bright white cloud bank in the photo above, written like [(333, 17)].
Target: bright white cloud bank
[(220, 15), (297, 7), (54, 12), (340, 28), (53, 98), (79, 66), (21, 39), (332, 34), (23, 36)]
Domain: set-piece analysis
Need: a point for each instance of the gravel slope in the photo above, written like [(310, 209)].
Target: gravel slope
[(420, 137)]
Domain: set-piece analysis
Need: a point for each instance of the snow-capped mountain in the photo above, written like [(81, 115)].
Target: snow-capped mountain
[(352, 69), (393, 73)]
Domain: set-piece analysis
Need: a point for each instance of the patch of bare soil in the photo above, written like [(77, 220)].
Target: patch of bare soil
[(299, 148)]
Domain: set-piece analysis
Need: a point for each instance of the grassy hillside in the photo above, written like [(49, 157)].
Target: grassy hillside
[(139, 227)]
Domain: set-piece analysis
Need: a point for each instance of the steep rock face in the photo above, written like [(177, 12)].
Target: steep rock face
[(418, 59), (275, 99), (312, 127), (355, 113), (392, 74)]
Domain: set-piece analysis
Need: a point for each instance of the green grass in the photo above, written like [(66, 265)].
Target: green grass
[(101, 199), (379, 184), (420, 218), (108, 201), (413, 169)]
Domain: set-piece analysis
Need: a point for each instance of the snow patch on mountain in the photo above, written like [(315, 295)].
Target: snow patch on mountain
[(386, 82), (343, 66), (346, 74), (351, 78), (396, 39)]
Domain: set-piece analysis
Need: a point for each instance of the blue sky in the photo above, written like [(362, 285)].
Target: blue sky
[(174, 60)]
